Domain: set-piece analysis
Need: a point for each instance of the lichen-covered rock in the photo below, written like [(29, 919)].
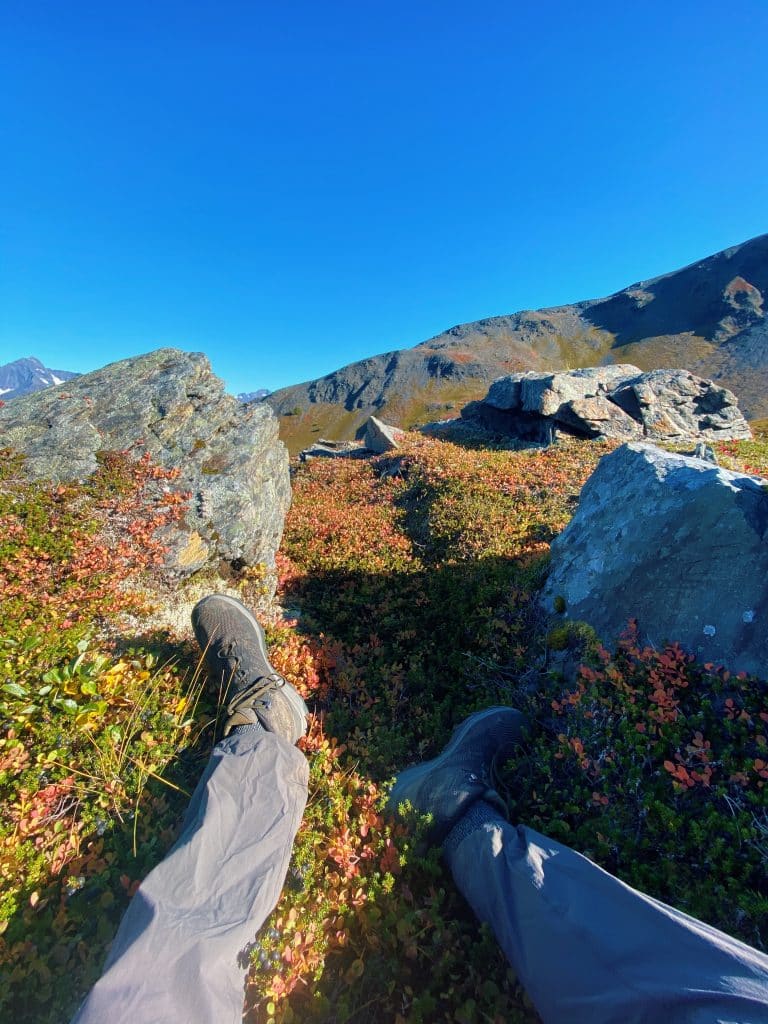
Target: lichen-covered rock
[(619, 402), (599, 416), (675, 542), (547, 393), (170, 404)]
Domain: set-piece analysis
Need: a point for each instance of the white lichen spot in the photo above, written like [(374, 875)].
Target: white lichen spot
[(748, 616), (709, 631)]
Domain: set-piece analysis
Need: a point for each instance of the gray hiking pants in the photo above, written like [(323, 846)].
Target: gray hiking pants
[(589, 949), (180, 953)]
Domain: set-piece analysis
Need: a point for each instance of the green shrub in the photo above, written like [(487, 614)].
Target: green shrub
[(656, 768)]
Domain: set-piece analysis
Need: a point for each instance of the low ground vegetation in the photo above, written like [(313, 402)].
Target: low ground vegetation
[(408, 585)]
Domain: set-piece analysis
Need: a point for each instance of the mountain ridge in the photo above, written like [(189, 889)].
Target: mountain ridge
[(708, 317), (24, 376)]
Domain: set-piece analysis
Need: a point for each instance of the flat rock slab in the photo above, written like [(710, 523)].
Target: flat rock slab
[(334, 450), (675, 542), (170, 404)]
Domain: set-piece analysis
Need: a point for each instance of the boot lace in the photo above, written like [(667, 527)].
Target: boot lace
[(248, 692)]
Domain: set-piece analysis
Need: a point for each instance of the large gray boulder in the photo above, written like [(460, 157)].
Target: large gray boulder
[(547, 393), (170, 404), (618, 402), (675, 542)]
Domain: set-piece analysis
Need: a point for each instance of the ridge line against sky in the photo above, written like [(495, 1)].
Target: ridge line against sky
[(292, 189)]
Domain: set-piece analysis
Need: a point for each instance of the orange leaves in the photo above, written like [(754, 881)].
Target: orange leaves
[(307, 664), (34, 811), (343, 850), (663, 707), (324, 533), (679, 773), (130, 886), (316, 742), (346, 847), (572, 698), (665, 701), (69, 548), (390, 859), (575, 746), (699, 744)]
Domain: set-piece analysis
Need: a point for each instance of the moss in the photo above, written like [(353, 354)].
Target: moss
[(216, 464), (572, 636), (11, 464)]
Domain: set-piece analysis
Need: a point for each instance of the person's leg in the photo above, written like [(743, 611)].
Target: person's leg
[(180, 956), (586, 947), (589, 948), (180, 952)]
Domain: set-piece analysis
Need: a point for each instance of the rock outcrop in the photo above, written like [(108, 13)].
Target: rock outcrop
[(618, 402), (170, 404), (675, 542)]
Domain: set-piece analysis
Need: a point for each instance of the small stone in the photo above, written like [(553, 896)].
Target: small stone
[(381, 437)]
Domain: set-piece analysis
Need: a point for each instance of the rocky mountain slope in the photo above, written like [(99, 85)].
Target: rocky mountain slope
[(709, 318), (23, 376)]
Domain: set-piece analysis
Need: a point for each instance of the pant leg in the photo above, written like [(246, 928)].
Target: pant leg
[(176, 956), (590, 949)]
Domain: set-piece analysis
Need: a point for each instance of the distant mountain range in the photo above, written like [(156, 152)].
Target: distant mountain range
[(252, 396), (709, 318), (23, 376)]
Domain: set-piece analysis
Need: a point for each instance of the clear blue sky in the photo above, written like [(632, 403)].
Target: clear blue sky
[(288, 186)]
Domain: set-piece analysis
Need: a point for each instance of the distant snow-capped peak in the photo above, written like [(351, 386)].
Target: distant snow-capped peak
[(23, 376)]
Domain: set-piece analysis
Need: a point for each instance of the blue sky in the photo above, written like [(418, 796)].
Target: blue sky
[(290, 186)]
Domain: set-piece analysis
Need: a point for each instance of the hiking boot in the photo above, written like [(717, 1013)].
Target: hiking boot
[(448, 785), (236, 656)]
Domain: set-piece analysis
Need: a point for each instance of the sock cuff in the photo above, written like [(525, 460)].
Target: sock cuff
[(480, 813)]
